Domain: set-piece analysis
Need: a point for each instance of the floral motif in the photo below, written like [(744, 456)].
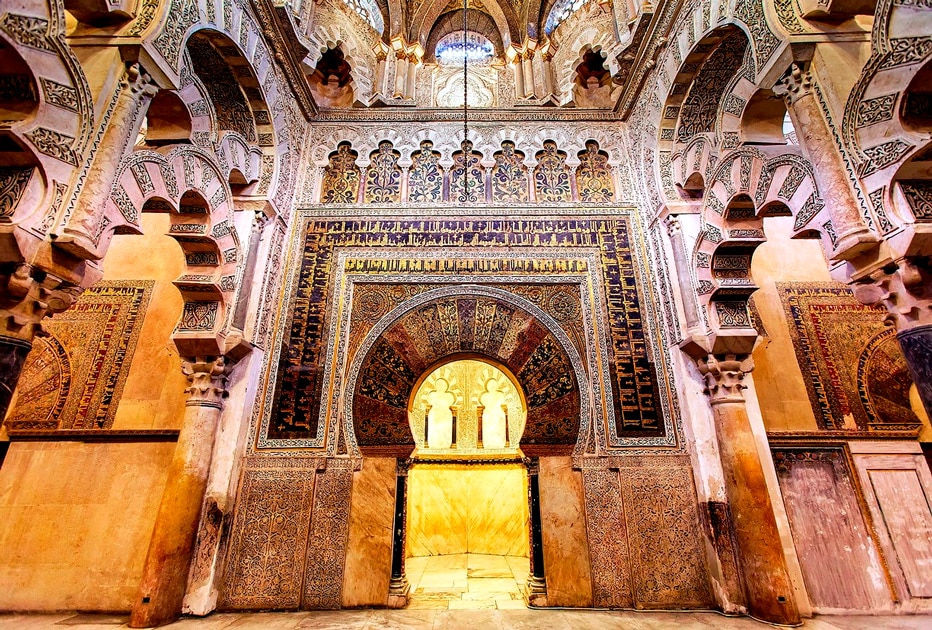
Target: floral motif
[(425, 178), (383, 177), (593, 176), (470, 188), (341, 179), (509, 175), (551, 175)]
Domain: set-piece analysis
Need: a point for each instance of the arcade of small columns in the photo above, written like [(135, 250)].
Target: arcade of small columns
[(529, 61), (894, 273)]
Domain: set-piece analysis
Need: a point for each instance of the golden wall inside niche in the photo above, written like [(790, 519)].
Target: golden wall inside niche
[(462, 508), (464, 385)]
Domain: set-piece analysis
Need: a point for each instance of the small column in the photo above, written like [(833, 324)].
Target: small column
[(411, 80), (168, 561), (398, 587), (536, 588), (479, 410), (242, 300), (767, 582), (546, 56), (519, 76), (381, 54), (507, 434), (815, 138), (427, 427), (527, 66), (905, 289), (453, 436), (80, 233), (401, 73), (690, 303)]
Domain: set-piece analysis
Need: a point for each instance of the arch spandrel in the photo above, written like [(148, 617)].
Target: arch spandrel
[(479, 322)]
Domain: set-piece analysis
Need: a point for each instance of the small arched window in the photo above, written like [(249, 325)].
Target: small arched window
[(477, 49), (369, 11)]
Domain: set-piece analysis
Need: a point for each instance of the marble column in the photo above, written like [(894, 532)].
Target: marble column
[(547, 71), (168, 561), (519, 77), (242, 300), (767, 582), (379, 80), (27, 295), (536, 589), (683, 272), (904, 288), (411, 79), (527, 65), (398, 587), (816, 140), (401, 74), (79, 235)]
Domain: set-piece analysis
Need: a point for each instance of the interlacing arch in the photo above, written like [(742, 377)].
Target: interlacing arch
[(187, 184), (749, 184)]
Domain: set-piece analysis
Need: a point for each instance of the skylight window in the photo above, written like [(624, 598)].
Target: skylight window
[(560, 12), (450, 50), (369, 11)]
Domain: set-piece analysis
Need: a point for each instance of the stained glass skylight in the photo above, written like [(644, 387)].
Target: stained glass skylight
[(561, 10), (450, 50)]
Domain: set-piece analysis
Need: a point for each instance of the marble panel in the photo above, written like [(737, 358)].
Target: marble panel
[(458, 509), (566, 547), (369, 551)]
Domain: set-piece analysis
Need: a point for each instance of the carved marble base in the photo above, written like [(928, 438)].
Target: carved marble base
[(398, 590), (535, 592)]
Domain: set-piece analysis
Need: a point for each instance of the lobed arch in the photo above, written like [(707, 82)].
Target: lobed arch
[(361, 58), (592, 35), (390, 332), (748, 185), (48, 131), (187, 184)]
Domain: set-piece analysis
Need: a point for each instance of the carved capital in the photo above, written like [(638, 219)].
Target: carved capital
[(29, 294), (796, 83), (138, 82), (208, 380), (904, 288), (672, 223), (724, 376)]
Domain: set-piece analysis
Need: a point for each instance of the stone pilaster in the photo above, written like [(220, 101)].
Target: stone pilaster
[(763, 564), (168, 561), (904, 288), (80, 235), (680, 262), (27, 295), (816, 140)]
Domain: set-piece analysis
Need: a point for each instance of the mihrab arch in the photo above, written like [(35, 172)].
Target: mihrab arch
[(466, 321)]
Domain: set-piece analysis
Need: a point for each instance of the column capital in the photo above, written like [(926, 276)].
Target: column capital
[(208, 380), (904, 288), (28, 294), (672, 223), (138, 82), (796, 83), (724, 376)]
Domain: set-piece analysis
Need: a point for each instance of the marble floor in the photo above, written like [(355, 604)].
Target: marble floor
[(463, 620), (466, 582)]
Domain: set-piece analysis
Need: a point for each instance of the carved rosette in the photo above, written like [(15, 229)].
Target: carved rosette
[(904, 288), (724, 376), (208, 379)]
